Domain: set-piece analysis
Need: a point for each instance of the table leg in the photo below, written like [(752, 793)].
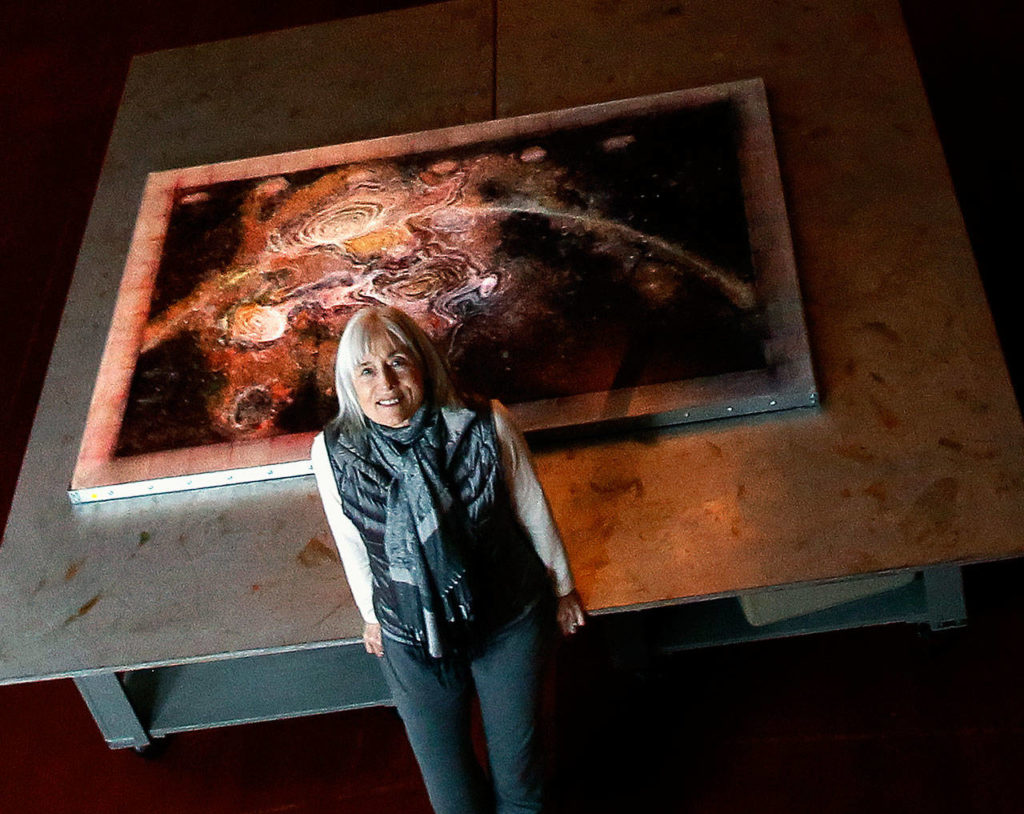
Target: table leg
[(112, 711), (944, 593)]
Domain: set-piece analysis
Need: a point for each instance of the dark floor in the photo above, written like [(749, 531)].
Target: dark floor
[(872, 721)]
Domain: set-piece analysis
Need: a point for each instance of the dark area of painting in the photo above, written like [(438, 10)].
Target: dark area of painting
[(578, 261), (168, 398)]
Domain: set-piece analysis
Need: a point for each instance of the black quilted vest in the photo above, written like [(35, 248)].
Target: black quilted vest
[(505, 573)]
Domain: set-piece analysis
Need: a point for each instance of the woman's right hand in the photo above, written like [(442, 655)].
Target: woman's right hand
[(371, 639)]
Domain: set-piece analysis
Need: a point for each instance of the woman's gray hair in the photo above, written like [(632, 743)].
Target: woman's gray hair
[(363, 329)]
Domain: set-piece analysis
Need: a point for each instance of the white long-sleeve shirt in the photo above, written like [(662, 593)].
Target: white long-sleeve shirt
[(528, 501)]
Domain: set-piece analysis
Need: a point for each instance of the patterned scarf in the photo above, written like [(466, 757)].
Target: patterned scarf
[(422, 537)]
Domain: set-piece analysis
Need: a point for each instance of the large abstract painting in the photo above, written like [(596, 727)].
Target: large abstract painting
[(627, 261)]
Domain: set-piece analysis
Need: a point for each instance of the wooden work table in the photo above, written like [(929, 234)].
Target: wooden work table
[(913, 459)]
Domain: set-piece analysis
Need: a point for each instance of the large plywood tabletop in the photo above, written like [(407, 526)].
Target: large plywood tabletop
[(171, 578), (915, 456)]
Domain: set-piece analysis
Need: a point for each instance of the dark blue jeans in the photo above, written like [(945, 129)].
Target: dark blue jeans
[(434, 702)]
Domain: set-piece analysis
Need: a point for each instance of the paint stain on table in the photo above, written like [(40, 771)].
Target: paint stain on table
[(73, 569), (316, 552), (83, 610)]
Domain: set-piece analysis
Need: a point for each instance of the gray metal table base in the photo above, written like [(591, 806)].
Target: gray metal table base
[(135, 706), (933, 599), (105, 697)]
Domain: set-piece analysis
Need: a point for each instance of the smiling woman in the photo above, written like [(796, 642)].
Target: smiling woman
[(383, 365), (452, 556), (388, 384)]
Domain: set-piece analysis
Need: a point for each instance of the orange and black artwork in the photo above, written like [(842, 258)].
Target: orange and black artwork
[(581, 266)]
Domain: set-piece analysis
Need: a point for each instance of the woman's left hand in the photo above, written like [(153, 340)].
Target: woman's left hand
[(570, 613)]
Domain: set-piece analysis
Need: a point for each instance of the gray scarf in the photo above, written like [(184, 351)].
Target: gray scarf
[(423, 538)]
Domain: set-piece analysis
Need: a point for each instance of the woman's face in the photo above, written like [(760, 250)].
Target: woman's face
[(388, 383)]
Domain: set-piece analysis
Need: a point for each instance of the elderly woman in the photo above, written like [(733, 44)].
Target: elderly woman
[(452, 556)]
